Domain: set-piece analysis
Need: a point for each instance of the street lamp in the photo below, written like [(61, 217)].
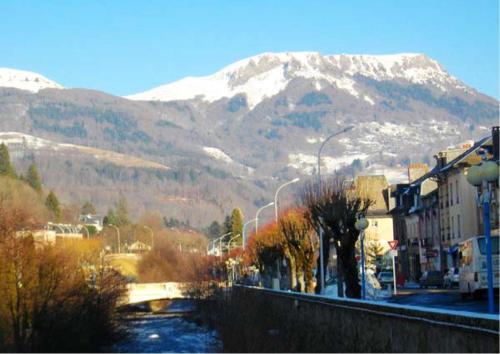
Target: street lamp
[(321, 260), (244, 233), (257, 216), (117, 234), (361, 225), (482, 175), (295, 180), (152, 235)]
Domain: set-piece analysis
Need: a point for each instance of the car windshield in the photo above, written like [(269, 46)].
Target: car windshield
[(494, 245)]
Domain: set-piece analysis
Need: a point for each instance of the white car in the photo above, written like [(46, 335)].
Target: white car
[(385, 278), (451, 278)]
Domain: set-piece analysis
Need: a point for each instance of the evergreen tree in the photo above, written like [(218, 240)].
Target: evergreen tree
[(236, 222), (122, 217), (6, 168), (227, 227), (52, 203), (110, 218), (88, 208), (33, 178), (214, 230)]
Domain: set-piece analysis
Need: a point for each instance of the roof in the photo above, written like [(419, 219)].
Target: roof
[(373, 188), (437, 169)]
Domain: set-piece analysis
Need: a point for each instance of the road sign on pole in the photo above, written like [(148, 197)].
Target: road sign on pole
[(393, 244)]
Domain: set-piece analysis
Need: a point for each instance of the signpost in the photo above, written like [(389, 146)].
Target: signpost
[(394, 245)]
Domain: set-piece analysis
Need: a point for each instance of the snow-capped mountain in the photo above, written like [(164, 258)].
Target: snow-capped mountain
[(266, 75), (230, 139), (25, 80)]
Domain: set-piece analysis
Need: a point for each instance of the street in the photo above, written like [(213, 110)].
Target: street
[(441, 298)]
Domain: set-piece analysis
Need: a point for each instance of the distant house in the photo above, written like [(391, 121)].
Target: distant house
[(92, 220), (138, 247)]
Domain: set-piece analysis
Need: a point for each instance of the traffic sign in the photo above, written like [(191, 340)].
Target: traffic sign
[(393, 244)]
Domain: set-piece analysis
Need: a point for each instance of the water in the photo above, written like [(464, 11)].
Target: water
[(166, 333)]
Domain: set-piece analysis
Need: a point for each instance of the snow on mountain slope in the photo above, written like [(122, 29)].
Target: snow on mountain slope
[(267, 74), (19, 142), (25, 80)]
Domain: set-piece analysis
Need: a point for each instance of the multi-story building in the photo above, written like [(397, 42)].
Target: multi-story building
[(380, 226), (460, 215)]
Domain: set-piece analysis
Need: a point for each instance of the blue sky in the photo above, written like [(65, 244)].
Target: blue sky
[(125, 47)]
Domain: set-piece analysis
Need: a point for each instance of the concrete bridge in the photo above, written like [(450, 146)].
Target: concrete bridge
[(147, 292)]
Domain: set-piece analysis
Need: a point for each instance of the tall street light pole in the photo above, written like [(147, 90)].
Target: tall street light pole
[(321, 257), (257, 215), (244, 232), (117, 235), (152, 235), (483, 175), (361, 225), (295, 180)]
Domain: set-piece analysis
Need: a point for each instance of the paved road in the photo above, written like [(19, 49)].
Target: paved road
[(441, 298)]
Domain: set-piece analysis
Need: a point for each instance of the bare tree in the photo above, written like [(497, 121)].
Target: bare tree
[(332, 207)]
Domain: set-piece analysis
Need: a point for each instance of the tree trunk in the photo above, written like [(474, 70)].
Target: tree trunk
[(300, 280), (340, 275), (293, 273), (353, 289), (326, 255)]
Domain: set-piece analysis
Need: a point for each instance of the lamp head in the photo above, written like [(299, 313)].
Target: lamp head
[(361, 224), (474, 175), (489, 171)]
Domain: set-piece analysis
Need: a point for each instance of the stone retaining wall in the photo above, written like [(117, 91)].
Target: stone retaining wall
[(263, 320)]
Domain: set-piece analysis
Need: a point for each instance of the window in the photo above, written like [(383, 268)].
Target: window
[(456, 191), (452, 227), (451, 194), (458, 227)]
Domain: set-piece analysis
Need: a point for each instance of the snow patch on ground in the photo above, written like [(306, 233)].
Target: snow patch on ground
[(308, 163), (217, 154)]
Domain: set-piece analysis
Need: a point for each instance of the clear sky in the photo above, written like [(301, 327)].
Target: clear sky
[(124, 47)]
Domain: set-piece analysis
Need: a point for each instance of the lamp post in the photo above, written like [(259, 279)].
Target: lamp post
[(244, 233), (257, 216), (361, 225), (321, 258), (295, 180), (152, 235), (482, 175), (117, 235)]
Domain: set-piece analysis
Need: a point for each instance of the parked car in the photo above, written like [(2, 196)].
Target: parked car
[(451, 278), (431, 278), (385, 278)]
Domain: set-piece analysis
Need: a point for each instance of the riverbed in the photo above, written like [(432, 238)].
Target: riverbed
[(166, 333)]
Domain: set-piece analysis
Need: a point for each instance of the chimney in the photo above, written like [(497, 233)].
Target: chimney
[(417, 170), (494, 134)]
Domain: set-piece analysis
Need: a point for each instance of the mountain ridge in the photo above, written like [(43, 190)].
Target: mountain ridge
[(265, 75)]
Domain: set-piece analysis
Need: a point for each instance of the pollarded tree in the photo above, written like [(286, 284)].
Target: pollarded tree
[(6, 168), (331, 206), (52, 203), (299, 247), (33, 178), (265, 248)]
